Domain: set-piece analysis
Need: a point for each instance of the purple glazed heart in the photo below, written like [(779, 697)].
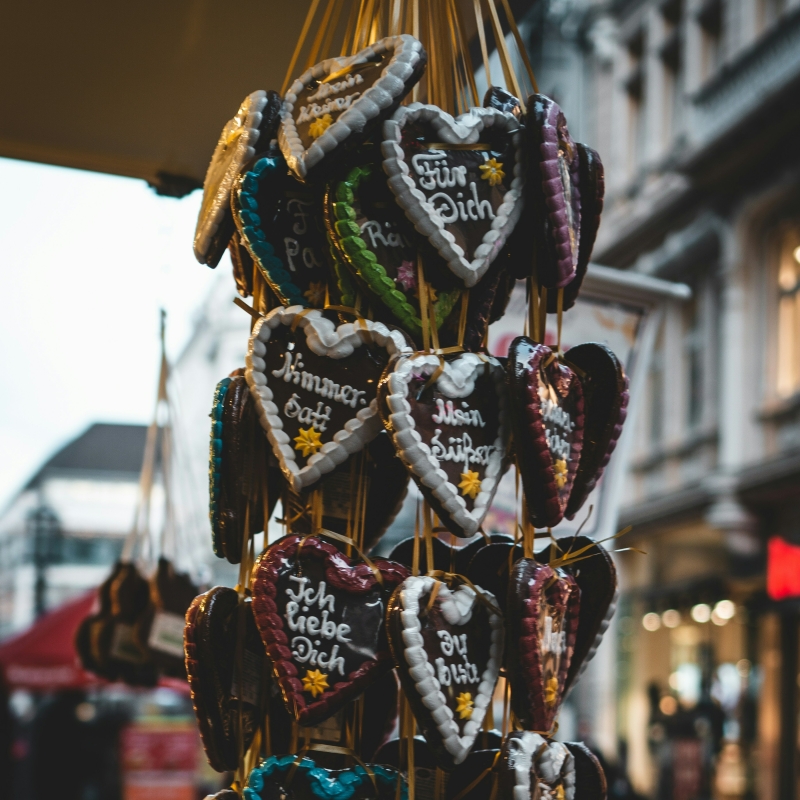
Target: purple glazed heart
[(553, 191), (605, 393), (547, 417), (591, 180), (542, 610), (321, 620)]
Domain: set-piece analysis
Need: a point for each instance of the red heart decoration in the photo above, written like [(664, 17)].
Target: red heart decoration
[(321, 619), (542, 612), (547, 419)]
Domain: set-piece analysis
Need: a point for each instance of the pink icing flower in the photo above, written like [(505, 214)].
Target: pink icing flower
[(406, 275)]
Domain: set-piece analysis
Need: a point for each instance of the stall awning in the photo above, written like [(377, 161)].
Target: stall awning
[(139, 89), (43, 656)]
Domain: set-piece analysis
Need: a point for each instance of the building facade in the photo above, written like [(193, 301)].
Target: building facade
[(694, 106)]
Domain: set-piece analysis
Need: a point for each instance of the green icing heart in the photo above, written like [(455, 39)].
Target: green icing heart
[(347, 234)]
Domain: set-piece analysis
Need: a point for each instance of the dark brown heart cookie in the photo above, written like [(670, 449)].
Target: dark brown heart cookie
[(448, 647), (239, 469), (321, 619), (160, 630), (315, 386), (452, 435), (547, 414), (542, 610), (605, 393), (228, 699), (335, 105)]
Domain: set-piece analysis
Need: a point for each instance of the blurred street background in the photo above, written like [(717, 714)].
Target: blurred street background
[(108, 117)]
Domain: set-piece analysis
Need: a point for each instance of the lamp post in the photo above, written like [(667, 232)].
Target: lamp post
[(44, 531)]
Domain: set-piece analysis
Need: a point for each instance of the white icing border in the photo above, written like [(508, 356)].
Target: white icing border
[(554, 760), (457, 380), (208, 224), (390, 86), (465, 129), (324, 339), (456, 607)]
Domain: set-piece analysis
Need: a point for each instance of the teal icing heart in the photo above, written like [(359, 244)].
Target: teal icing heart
[(281, 225), (215, 461), (270, 780)]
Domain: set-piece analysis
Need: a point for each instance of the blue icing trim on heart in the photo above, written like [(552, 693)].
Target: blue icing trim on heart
[(274, 270), (324, 785), (215, 461)]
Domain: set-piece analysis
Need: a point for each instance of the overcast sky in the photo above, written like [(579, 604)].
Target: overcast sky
[(87, 261)]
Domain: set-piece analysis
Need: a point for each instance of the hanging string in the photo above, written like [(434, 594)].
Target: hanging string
[(560, 314)]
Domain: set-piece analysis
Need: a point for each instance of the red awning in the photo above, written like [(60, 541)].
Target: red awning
[(43, 656)]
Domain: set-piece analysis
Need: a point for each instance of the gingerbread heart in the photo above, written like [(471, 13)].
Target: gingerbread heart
[(547, 414), (476, 777), (321, 619), (315, 387), (596, 577), (287, 778), (372, 239), (591, 183), (452, 435), (238, 469), (532, 767), (605, 393), (229, 700), (448, 647), (256, 121), (336, 103), (553, 191), (280, 221), (460, 181), (383, 478), (542, 609)]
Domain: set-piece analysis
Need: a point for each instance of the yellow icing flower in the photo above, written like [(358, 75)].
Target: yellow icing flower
[(315, 294), (492, 171), (558, 792), (560, 469), (319, 126), (464, 705), (315, 682), (470, 484), (308, 442), (551, 691)]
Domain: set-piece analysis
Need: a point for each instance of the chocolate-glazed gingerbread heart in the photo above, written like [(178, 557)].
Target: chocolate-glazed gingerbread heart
[(467, 201), (531, 767), (547, 414), (287, 778), (239, 469), (542, 609), (281, 223), (448, 647), (553, 192), (255, 123), (453, 434), (315, 387), (591, 181), (377, 243), (335, 104), (596, 576), (160, 630), (321, 619), (226, 698), (605, 393), (381, 476)]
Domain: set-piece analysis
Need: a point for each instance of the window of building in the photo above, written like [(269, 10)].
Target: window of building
[(788, 345), (656, 391), (670, 53), (634, 88), (710, 17), (693, 349)]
